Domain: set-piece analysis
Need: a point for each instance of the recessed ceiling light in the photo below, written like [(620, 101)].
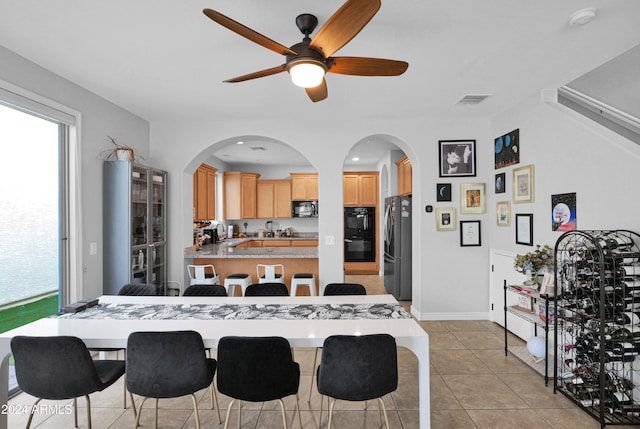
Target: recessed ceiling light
[(582, 16), (240, 143), (355, 158)]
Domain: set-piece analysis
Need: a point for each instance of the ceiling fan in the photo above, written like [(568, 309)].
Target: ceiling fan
[(308, 61)]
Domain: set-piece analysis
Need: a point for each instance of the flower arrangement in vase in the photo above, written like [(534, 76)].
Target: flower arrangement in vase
[(538, 261)]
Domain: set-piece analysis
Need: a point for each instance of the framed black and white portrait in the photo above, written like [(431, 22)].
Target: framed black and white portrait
[(457, 158)]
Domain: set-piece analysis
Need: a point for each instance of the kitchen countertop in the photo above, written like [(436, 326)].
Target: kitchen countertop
[(228, 249)]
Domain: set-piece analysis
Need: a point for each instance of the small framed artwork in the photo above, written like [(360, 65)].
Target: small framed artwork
[(457, 158), (443, 192), (523, 184), (524, 229), (563, 212), (446, 219), (470, 233), (503, 213), (500, 183), (473, 198), (506, 149)]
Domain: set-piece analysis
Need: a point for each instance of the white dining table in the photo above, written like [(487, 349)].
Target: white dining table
[(303, 321)]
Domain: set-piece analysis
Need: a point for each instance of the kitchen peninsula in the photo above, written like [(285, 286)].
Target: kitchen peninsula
[(298, 254)]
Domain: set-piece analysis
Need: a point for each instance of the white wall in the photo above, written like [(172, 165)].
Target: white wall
[(99, 119), (438, 258), (570, 154)]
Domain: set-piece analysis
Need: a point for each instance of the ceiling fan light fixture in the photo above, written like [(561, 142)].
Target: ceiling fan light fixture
[(307, 74)]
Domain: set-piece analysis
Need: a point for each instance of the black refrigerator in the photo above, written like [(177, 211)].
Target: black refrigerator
[(397, 247)]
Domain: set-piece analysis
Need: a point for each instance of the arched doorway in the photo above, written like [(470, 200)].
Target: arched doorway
[(382, 157), (255, 181)]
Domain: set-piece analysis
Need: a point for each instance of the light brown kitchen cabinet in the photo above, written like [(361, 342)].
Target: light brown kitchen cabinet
[(361, 188), (273, 199), (404, 176), (304, 186), (204, 193), (240, 194), (304, 243)]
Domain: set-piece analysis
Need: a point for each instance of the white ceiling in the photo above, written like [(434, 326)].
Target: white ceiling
[(165, 60)]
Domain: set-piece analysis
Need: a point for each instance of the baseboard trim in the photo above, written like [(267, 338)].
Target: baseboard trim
[(449, 316)]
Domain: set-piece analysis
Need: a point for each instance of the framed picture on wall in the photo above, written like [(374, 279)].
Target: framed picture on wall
[(523, 184), (446, 219), (470, 233), (457, 158), (473, 198), (500, 183), (443, 192), (503, 213), (506, 149), (524, 229)]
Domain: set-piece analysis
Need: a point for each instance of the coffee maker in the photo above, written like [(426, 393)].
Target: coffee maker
[(213, 233)]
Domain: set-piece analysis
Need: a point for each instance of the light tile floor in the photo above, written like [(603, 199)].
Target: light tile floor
[(473, 385)]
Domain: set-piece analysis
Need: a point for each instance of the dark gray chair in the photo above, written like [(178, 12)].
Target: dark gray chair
[(169, 365), (344, 289), (335, 289), (267, 289), (358, 368), (61, 368), (205, 290), (257, 369), (141, 289)]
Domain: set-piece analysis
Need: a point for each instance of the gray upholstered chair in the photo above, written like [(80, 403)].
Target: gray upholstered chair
[(60, 368), (205, 290), (138, 289), (168, 365), (267, 289), (358, 368), (334, 289), (257, 369), (344, 289)]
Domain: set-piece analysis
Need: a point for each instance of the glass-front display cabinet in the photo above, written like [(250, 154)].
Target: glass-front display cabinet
[(135, 226)]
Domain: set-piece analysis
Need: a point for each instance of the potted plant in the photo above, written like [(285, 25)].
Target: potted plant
[(535, 263), (118, 152)]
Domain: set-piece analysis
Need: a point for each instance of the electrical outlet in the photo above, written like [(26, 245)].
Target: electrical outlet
[(93, 248), (329, 240)]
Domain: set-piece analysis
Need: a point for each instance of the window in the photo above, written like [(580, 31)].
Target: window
[(35, 210)]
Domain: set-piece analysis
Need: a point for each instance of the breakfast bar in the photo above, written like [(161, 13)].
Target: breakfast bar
[(242, 255)]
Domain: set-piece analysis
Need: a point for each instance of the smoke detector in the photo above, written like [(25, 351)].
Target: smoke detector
[(582, 16)]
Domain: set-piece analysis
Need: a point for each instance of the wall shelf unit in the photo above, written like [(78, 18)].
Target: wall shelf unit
[(527, 308)]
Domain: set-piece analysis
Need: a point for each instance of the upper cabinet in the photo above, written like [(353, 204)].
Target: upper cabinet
[(361, 188), (273, 199), (304, 186), (404, 176), (204, 193), (240, 195)]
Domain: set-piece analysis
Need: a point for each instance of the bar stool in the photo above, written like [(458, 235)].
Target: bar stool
[(237, 279), (202, 275), (270, 273), (303, 279)]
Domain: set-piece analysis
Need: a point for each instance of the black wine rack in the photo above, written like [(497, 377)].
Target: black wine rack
[(597, 330)]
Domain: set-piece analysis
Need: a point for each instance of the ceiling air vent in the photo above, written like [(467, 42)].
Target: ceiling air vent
[(258, 148), (473, 99)]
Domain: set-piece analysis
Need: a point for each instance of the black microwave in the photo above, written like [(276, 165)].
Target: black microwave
[(304, 209)]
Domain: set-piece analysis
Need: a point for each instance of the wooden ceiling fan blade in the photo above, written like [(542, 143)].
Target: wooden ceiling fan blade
[(261, 73), (344, 25), (318, 93), (362, 66), (247, 32)]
